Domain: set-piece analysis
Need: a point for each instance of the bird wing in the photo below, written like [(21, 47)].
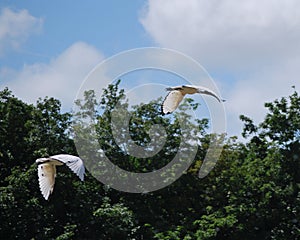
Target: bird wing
[(171, 101), (73, 162), (46, 174)]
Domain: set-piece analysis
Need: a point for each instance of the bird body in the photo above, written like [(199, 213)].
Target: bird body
[(47, 170), (176, 94), (184, 89)]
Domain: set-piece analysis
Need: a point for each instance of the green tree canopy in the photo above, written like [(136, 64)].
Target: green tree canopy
[(251, 193)]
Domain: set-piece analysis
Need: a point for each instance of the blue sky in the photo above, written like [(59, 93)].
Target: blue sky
[(250, 48), (110, 26)]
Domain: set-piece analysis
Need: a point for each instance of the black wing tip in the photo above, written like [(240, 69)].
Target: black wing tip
[(162, 111)]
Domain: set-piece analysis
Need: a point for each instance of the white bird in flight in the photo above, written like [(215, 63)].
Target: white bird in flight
[(47, 170), (177, 93)]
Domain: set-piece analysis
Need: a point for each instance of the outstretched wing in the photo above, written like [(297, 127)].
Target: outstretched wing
[(46, 174), (73, 162), (171, 101)]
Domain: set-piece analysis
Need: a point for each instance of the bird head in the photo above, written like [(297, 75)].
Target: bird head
[(207, 91)]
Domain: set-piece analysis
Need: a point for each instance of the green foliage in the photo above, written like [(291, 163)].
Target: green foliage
[(68, 232), (114, 221), (209, 225), (252, 192), (281, 124)]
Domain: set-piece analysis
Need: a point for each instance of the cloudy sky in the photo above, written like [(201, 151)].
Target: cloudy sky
[(250, 48)]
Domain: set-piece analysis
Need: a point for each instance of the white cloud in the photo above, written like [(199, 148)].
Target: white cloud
[(60, 78), (16, 27), (226, 32), (256, 42)]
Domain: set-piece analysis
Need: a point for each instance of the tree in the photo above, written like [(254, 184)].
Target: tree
[(252, 192), (280, 131), (13, 148), (31, 131)]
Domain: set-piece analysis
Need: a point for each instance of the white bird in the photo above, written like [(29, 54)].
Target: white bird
[(47, 170), (176, 95)]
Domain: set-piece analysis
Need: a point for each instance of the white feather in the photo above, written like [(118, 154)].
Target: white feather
[(172, 101), (73, 162), (177, 93), (46, 174), (47, 170)]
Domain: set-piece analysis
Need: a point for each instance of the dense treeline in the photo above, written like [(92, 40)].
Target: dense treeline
[(252, 192)]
